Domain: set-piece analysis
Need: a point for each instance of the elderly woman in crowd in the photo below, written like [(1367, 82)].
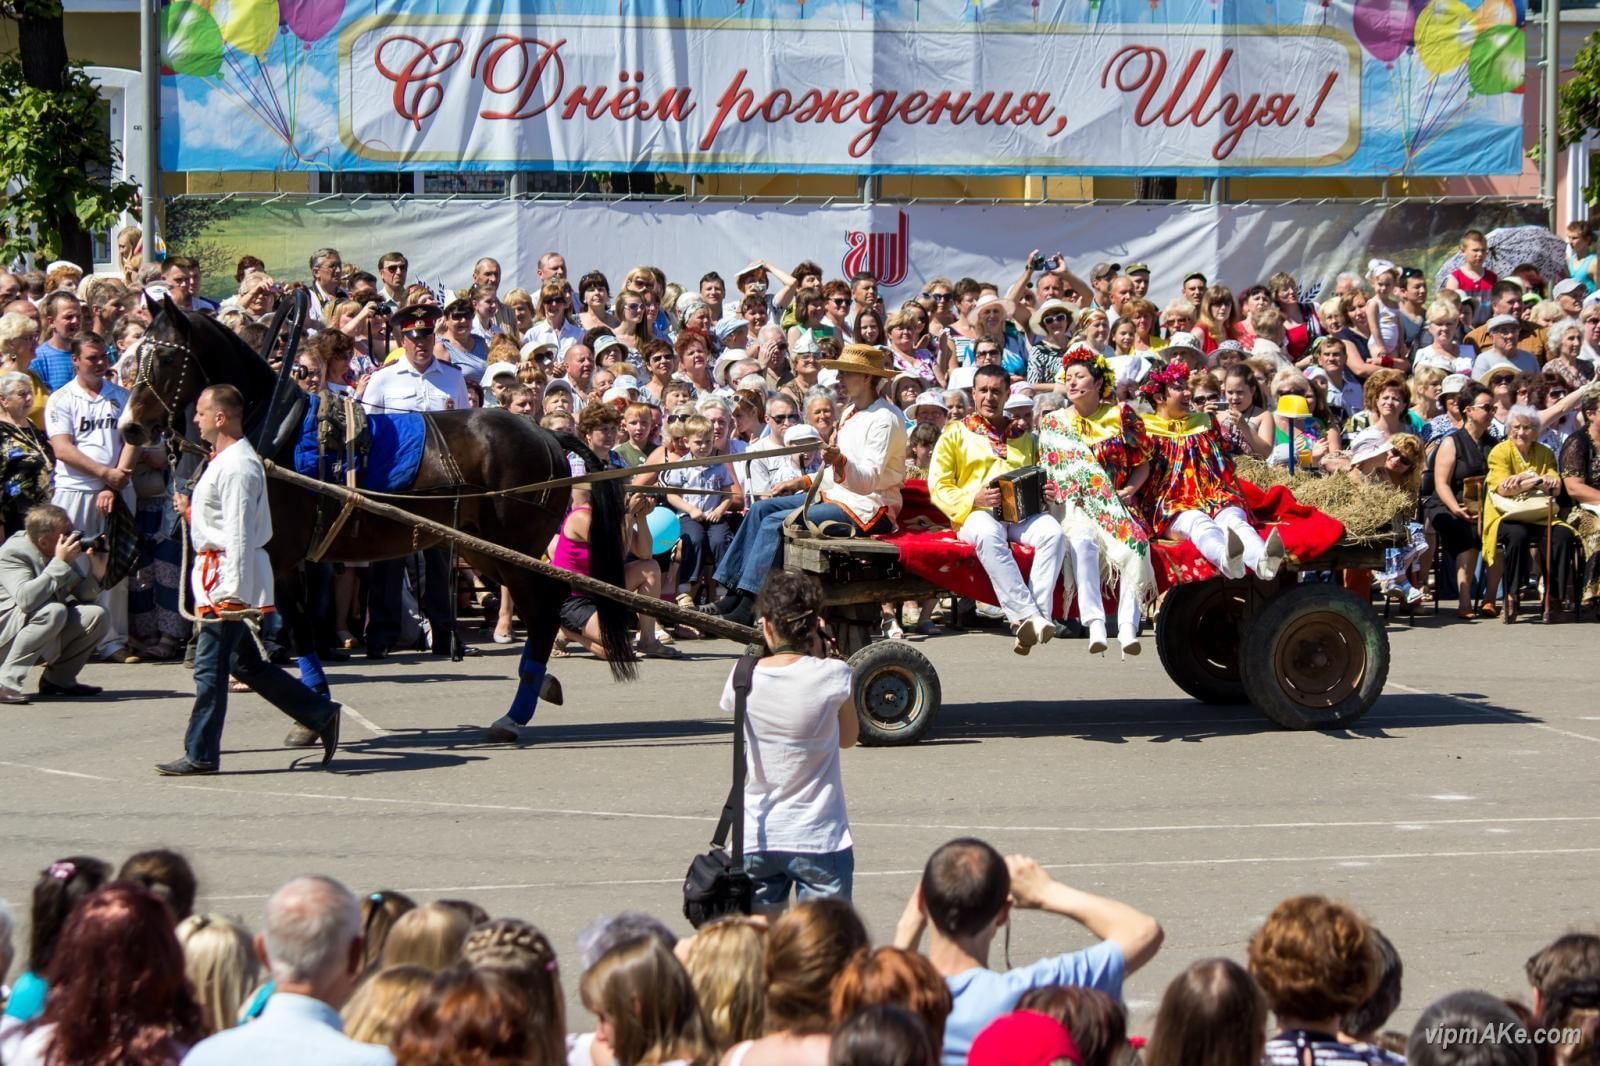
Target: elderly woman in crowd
[(19, 339), (258, 294), (694, 355), (1520, 503), (1344, 319), (1580, 477), (27, 463), (1053, 324), (1563, 344), (1445, 351)]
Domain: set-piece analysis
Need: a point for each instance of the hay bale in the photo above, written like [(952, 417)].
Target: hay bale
[(1371, 512)]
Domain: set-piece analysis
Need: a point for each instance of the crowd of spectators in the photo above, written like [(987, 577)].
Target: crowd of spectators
[(115, 966), (1479, 398)]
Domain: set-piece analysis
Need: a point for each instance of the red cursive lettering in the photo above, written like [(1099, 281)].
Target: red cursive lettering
[(417, 93), (532, 63)]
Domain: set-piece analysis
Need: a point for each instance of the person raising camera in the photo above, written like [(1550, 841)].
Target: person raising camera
[(49, 578)]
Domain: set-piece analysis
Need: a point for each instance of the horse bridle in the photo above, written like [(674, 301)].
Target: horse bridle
[(148, 345)]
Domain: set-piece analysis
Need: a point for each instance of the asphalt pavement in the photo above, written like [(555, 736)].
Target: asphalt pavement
[(1459, 815)]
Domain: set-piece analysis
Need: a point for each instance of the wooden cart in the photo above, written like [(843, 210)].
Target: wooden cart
[(1308, 654)]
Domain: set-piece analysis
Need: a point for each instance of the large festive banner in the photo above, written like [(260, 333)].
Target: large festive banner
[(1238, 244), (1210, 87)]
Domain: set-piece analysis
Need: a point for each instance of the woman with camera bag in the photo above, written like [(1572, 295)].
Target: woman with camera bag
[(799, 715)]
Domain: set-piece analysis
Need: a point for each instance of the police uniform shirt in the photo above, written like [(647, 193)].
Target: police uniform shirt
[(91, 422), (399, 386)]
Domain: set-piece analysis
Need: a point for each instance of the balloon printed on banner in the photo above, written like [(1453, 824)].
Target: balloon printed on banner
[(310, 20), (191, 42), (1498, 61), (249, 25), (1384, 27), (1444, 35)]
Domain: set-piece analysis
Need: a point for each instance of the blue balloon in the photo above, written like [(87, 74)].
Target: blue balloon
[(664, 529)]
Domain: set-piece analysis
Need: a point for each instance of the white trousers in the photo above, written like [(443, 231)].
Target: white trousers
[(1019, 599), (1209, 537), (1083, 570), (87, 519)]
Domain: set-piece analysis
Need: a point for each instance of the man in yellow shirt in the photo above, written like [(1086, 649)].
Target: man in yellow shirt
[(970, 454)]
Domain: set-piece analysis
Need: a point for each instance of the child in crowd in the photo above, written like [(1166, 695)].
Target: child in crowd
[(638, 433), (703, 507)]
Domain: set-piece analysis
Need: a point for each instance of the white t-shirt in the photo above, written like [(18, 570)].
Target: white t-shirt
[(91, 421), (793, 793)]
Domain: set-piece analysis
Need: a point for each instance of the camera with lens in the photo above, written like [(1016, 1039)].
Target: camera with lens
[(94, 544)]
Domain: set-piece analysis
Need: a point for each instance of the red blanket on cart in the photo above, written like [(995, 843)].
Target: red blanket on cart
[(936, 555)]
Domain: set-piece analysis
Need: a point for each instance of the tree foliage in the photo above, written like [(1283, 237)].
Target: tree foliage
[(1579, 114), (54, 150)]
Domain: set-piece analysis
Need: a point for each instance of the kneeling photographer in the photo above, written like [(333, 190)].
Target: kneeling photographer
[(49, 578)]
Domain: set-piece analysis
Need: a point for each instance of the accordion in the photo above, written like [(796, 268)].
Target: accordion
[(1021, 494)]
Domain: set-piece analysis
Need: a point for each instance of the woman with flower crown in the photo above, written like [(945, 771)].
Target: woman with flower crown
[(1192, 492), (1096, 456)]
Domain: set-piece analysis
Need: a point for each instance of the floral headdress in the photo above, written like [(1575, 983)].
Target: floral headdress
[(1174, 373), (1085, 355)]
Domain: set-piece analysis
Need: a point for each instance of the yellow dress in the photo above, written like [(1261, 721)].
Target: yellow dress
[(1504, 461)]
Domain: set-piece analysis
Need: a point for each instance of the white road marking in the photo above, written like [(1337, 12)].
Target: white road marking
[(1343, 860), (57, 773), (363, 721), (1496, 712), (1451, 797)]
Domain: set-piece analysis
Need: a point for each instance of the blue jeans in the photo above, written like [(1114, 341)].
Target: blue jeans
[(227, 647), (758, 546), (830, 874)]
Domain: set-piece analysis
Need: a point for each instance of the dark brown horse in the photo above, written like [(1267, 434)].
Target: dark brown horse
[(467, 453)]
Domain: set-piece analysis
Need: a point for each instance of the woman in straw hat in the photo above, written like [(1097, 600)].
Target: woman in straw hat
[(861, 473)]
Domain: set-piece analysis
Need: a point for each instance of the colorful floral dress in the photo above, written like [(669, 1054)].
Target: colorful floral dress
[(1115, 434), (1089, 500), (27, 465), (1189, 469)]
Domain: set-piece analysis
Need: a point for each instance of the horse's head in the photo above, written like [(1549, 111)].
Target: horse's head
[(169, 376)]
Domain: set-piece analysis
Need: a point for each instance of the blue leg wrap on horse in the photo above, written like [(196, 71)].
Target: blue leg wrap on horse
[(311, 675), (530, 673)]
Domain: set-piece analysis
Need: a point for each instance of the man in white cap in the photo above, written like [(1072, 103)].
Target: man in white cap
[(970, 455), (1568, 294), (1503, 332)]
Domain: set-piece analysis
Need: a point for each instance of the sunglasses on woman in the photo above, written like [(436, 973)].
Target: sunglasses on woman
[(460, 316), (633, 308), (677, 418), (1051, 320)]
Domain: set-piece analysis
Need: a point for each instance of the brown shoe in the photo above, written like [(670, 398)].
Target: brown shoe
[(11, 695), (122, 655)]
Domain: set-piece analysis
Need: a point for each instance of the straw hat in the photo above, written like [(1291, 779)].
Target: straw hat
[(1295, 408), (861, 359), (1036, 323), (985, 303)]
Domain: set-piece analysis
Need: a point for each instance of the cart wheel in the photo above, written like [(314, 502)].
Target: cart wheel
[(896, 692), (1316, 658), (1198, 634)]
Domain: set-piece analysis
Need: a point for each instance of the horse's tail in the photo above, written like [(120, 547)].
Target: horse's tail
[(607, 558)]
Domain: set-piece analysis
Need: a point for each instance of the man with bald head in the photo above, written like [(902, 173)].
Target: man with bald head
[(310, 942)]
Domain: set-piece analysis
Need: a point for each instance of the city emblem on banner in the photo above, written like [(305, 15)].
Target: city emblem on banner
[(886, 255)]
